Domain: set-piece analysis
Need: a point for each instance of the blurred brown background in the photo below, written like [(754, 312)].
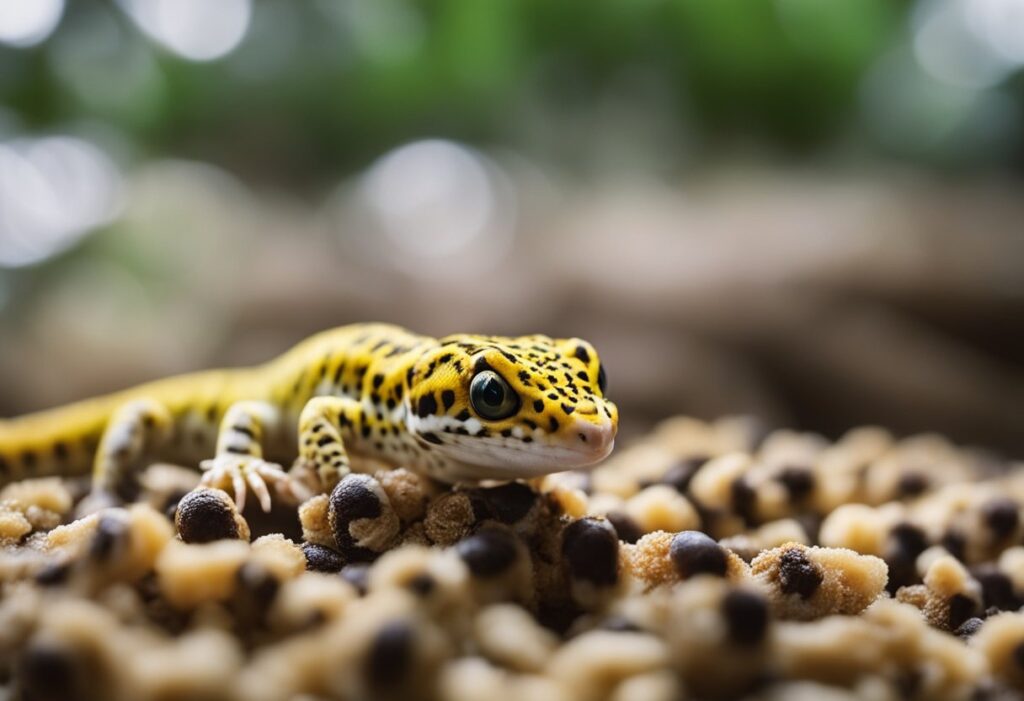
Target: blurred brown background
[(808, 212)]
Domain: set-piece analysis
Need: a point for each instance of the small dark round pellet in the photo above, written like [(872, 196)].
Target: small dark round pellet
[(681, 474), (960, 609), (320, 558), (53, 574), (693, 553), (969, 627), (619, 624), (205, 515), (391, 654), (422, 584), (909, 538), (1001, 515), (955, 543), (49, 672), (257, 585), (996, 588), (798, 575), (912, 484), (355, 497), (746, 615), (591, 549), (628, 530), (509, 502), (744, 498), (487, 553), (798, 481), (110, 533), (357, 575)]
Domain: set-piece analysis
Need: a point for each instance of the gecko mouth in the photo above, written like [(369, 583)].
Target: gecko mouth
[(582, 445)]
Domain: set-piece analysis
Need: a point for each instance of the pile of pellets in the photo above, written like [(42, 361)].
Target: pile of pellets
[(701, 562)]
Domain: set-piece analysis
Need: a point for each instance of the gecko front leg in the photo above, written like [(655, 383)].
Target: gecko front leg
[(238, 463), (135, 430), (321, 444)]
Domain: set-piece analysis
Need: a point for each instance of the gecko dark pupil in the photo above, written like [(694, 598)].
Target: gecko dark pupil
[(491, 396), (493, 393)]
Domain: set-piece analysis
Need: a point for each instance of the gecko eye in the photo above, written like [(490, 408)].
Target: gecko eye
[(602, 379), (491, 396)]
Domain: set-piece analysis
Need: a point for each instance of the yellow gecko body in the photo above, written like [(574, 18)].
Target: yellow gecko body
[(460, 408)]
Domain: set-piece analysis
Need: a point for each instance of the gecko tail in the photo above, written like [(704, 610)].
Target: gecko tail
[(56, 442)]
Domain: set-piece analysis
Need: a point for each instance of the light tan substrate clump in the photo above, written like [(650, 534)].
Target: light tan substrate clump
[(700, 562)]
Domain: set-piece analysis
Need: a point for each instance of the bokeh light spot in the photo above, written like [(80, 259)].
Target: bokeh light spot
[(199, 30), (27, 22), (53, 191)]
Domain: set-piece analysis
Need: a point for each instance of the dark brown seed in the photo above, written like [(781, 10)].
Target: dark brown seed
[(744, 499), (960, 609), (355, 497), (996, 588), (681, 474), (911, 484), (391, 654), (746, 615), (969, 627), (205, 515), (1001, 516), (693, 553), (487, 553), (357, 575), (50, 672), (799, 481), (110, 533), (422, 584), (322, 559), (798, 575), (509, 502), (53, 574), (591, 549), (628, 530)]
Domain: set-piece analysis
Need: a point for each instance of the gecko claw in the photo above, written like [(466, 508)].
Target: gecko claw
[(241, 473)]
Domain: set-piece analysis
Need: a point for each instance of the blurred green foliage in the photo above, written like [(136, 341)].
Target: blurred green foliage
[(319, 88)]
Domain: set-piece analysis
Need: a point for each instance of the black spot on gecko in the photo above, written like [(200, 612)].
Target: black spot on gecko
[(365, 431), (427, 406), (28, 459), (568, 409), (244, 430), (338, 372), (506, 432), (553, 424), (431, 438), (60, 451), (390, 403), (445, 358), (583, 376), (511, 358), (531, 424), (324, 440), (538, 405), (378, 379), (524, 376), (582, 354), (463, 415), (448, 399)]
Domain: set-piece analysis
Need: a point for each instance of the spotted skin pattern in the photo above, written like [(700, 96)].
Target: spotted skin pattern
[(366, 391)]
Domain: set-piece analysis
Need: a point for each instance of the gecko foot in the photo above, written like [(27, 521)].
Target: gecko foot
[(241, 472)]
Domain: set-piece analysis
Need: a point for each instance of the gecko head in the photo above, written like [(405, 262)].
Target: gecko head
[(512, 407)]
